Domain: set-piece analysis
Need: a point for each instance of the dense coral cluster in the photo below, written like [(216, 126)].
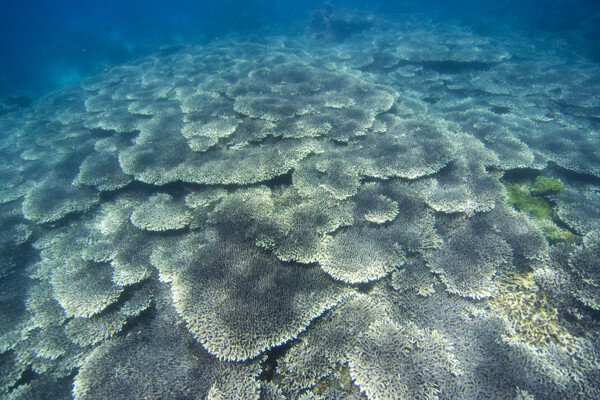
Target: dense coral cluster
[(258, 219), (534, 321), (401, 361)]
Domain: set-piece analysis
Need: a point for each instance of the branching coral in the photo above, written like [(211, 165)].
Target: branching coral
[(585, 263), (401, 361), (470, 258), (361, 255), (54, 198), (161, 213), (239, 301), (84, 288), (533, 320)]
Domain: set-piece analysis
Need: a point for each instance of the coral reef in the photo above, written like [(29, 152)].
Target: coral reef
[(401, 361), (533, 320), (239, 301), (360, 211)]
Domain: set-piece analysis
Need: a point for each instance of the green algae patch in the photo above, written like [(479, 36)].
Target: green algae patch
[(554, 234), (521, 198), (543, 186), (530, 198)]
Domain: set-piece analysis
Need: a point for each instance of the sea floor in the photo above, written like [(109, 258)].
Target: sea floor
[(384, 211)]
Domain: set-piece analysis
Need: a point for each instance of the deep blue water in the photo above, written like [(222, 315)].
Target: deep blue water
[(45, 44)]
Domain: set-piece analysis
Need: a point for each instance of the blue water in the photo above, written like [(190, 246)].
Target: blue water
[(300, 200), (47, 44)]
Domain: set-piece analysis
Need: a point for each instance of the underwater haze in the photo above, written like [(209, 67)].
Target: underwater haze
[(274, 200), (47, 44)]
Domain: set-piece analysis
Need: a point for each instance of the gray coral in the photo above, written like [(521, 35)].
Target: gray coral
[(292, 227), (525, 238), (414, 276), (393, 361), (469, 259), (496, 134), (447, 44), (244, 213), (161, 213), (14, 323), (90, 331), (10, 371), (239, 301), (54, 198), (406, 149), (117, 241), (328, 342), (43, 308), (585, 264), (163, 161), (84, 288), (579, 207), (570, 146), (202, 136), (300, 229), (102, 170), (465, 186), (324, 175), (373, 205), (360, 255), (151, 366)]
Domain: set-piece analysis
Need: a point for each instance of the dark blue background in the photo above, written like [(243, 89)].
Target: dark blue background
[(47, 43)]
